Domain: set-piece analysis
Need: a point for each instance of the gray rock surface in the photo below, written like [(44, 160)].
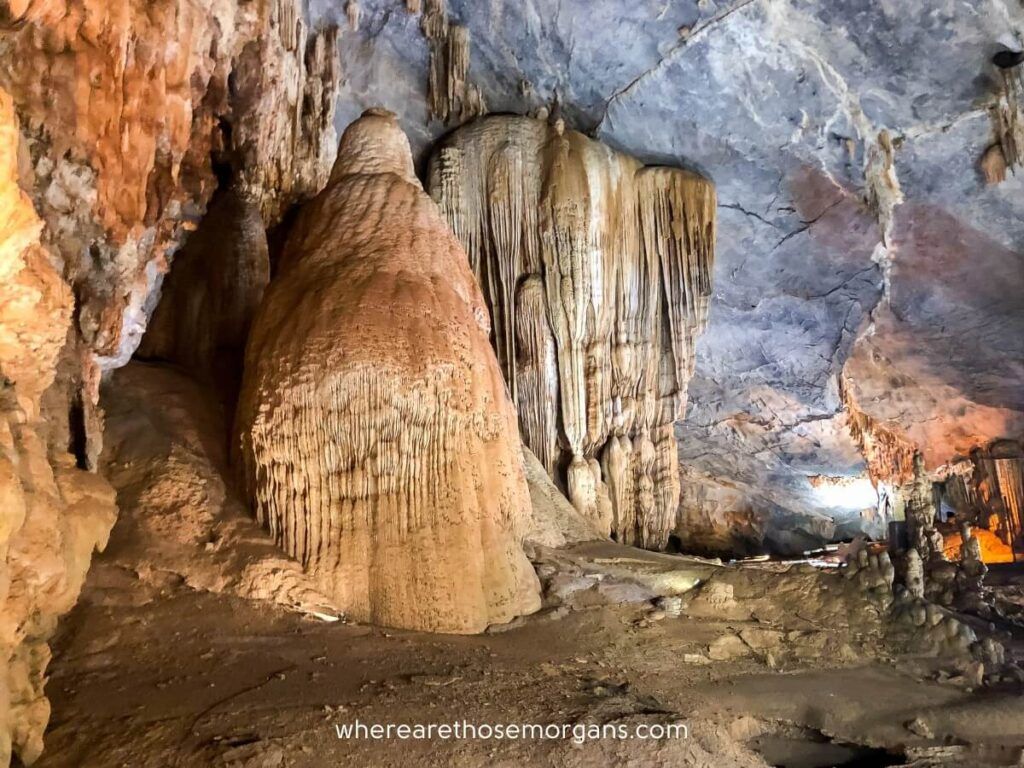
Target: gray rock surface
[(781, 103)]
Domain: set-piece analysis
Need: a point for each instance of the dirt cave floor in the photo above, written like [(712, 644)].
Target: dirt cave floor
[(148, 676), (181, 654)]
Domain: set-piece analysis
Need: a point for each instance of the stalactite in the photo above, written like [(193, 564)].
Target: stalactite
[(1011, 489), (643, 473), (882, 187), (992, 495), (624, 254), (1007, 117), (379, 444), (505, 265), (617, 465), (674, 223), (667, 486), (993, 164), (283, 134), (451, 97), (889, 456), (352, 14), (604, 513), (536, 373), (565, 255)]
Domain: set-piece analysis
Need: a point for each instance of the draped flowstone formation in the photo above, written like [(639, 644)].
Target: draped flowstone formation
[(597, 273), (378, 442)]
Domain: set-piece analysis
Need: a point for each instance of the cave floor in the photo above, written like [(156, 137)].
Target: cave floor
[(152, 674)]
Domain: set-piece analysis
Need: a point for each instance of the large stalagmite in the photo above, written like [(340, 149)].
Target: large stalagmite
[(597, 272), (377, 439)]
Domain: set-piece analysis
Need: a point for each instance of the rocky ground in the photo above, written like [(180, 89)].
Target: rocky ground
[(170, 676), (173, 658)]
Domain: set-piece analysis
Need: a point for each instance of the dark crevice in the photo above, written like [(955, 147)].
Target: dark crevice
[(77, 432)]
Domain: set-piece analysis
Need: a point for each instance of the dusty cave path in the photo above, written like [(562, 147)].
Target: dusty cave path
[(167, 676)]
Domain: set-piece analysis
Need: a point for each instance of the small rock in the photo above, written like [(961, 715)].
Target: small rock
[(920, 728), (728, 647), (672, 606)]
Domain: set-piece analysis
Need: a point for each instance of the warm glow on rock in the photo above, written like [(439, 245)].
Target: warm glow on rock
[(993, 549)]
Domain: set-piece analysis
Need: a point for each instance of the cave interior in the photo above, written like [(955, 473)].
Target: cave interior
[(571, 382)]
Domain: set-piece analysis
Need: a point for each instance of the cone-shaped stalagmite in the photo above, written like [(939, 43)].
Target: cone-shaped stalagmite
[(378, 442), (597, 272)]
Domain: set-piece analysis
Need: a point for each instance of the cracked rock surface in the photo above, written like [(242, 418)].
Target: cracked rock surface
[(859, 248)]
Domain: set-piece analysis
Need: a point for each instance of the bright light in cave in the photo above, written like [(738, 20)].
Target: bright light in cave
[(845, 492)]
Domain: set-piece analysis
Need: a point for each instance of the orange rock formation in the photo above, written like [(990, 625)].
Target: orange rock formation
[(378, 442)]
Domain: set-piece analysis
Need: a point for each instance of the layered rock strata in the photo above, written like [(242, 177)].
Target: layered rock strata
[(376, 436), (597, 273)]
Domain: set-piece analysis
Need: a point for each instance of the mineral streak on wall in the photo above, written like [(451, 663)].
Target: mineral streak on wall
[(378, 441), (597, 274)]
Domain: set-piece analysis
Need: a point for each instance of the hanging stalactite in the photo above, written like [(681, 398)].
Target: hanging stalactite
[(451, 97), (597, 272)]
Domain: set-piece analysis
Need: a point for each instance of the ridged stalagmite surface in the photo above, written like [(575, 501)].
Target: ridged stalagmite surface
[(597, 272), (378, 442)]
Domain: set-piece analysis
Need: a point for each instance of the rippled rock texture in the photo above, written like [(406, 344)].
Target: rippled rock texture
[(377, 438)]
